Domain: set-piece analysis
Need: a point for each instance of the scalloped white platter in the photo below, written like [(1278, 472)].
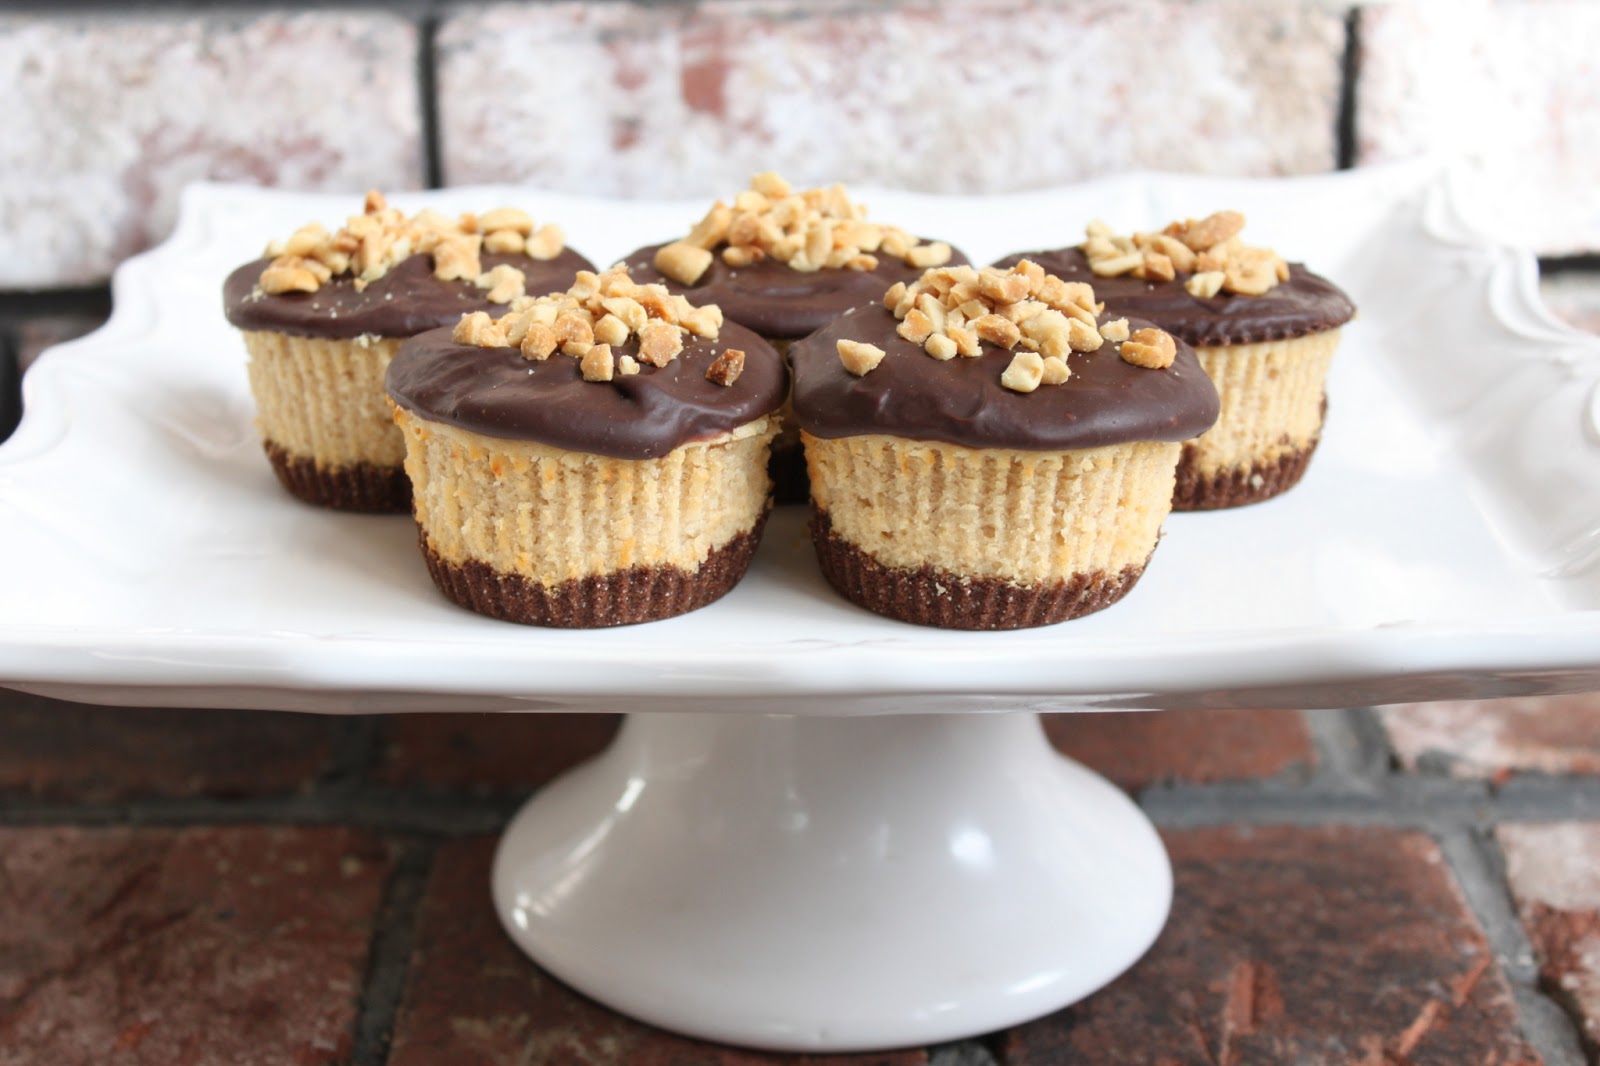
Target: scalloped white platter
[(1445, 542)]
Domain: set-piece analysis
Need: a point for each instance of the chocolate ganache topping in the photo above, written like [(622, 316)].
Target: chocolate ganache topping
[(1305, 304), (1198, 279), (776, 300), (405, 301), (961, 400), (785, 261), (499, 392)]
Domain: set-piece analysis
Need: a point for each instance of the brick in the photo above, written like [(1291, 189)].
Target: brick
[(489, 752), (664, 100), (243, 946), (104, 129), (60, 750), (1513, 88), (1574, 298), (1327, 945), (1137, 750), (1554, 872), (473, 999), (1493, 738)]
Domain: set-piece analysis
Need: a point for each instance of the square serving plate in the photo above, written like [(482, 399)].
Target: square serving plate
[(1445, 542)]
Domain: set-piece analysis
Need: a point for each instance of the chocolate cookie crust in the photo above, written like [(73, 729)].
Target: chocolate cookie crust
[(932, 597), (405, 301), (1235, 487), (1306, 303), (623, 597), (364, 487)]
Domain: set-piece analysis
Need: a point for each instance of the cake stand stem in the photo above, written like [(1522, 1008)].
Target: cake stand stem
[(832, 883)]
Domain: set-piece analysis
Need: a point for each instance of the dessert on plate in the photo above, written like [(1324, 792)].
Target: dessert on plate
[(1265, 331), (323, 313), (989, 450), (593, 457), (785, 262)]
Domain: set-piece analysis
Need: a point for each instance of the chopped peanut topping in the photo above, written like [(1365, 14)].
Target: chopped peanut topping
[(597, 315), (727, 367), (374, 242), (807, 230), (1152, 348), (1024, 373), (1207, 248), (682, 262), (952, 311), (598, 363), (859, 358)]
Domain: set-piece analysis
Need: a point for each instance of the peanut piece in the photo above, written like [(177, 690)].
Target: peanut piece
[(611, 330), (506, 218), (1024, 373), (1054, 371), (1205, 285), (940, 347), (598, 363), (539, 342), (659, 342), (547, 243), (1150, 348), (727, 367), (682, 262), (859, 358)]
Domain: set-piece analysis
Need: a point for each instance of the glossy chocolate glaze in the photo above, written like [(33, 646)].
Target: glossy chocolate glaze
[(776, 300), (499, 393), (1304, 304), (405, 301), (961, 401)]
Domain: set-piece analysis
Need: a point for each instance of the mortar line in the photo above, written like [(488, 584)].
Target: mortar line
[(1398, 801), (1346, 753), (1479, 868), (1344, 130), (353, 743), (970, 1052), (390, 953), (10, 381), (428, 99)]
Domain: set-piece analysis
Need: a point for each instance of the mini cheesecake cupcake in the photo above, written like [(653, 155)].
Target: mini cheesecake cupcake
[(987, 450), (595, 457), (1265, 331), (323, 313), (786, 263)]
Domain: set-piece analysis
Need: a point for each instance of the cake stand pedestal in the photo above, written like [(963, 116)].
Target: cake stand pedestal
[(832, 884)]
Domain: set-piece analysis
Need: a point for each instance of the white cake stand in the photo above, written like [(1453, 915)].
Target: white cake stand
[(821, 829), (832, 883)]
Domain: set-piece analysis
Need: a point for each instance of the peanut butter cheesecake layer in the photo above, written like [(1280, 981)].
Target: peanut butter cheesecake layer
[(1264, 330), (786, 262), (594, 457), (323, 314), (987, 450)]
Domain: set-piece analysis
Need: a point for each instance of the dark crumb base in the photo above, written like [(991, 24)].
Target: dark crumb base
[(626, 597), (1238, 486), (356, 487), (787, 468), (931, 597)]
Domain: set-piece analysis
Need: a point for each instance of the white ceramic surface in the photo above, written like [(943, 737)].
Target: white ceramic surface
[(832, 884), (1445, 542)]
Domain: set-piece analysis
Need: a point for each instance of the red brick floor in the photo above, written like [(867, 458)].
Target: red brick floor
[(197, 887)]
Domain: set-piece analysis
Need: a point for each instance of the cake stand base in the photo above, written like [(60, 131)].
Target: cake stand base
[(832, 884)]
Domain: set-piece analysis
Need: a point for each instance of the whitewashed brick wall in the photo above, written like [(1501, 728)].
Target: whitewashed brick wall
[(111, 113)]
